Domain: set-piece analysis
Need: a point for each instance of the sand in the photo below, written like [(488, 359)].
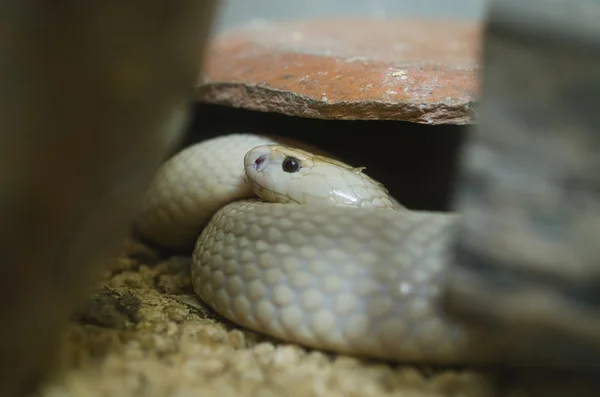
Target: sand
[(142, 332)]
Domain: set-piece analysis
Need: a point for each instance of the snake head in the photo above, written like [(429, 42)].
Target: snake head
[(270, 170), (282, 174)]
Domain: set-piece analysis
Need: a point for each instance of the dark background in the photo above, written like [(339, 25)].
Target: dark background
[(416, 162)]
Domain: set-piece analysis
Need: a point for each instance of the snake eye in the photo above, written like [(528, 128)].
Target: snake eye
[(291, 164)]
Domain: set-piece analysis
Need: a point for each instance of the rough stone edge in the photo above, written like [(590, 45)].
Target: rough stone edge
[(267, 99)]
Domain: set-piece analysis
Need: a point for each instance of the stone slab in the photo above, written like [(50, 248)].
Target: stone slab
[(422, 71)]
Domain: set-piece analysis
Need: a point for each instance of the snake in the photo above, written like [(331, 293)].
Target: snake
[(308, 250)]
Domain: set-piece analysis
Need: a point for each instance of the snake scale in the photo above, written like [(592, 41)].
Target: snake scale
[(349, 270)]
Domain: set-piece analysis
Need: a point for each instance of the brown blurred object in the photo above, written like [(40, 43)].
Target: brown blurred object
[(93, 96), (423, 71)]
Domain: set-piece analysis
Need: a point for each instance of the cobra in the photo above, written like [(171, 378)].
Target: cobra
[(308, 250)]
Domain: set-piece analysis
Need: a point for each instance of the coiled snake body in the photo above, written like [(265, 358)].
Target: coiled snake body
[(348, 270)]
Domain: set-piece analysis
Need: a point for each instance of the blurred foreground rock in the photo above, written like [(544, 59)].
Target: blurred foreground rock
[(88, 110)]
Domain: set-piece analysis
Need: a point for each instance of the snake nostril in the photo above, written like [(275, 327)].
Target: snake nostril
[(259, 161)]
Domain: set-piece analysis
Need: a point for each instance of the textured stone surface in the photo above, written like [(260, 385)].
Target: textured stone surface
[(423, 71)]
